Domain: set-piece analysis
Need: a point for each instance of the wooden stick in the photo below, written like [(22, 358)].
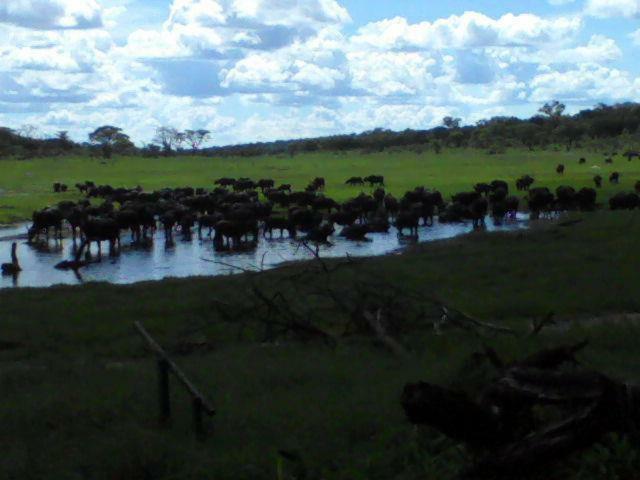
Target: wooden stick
[(175, 369)]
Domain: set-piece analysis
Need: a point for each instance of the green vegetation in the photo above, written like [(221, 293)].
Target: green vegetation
[(26, 185), (78, 388)]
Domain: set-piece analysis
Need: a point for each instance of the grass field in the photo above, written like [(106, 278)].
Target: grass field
[(27, 184), (78, 388)]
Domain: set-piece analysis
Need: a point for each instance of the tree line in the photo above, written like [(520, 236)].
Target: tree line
[(601, 127)]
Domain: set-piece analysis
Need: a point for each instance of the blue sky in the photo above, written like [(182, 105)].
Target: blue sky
[(255, 70)]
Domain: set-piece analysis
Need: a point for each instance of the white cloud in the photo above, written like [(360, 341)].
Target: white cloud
[(635, 37), (469, 30), (220, 27), (588, 83), (51, 14), (613, 8), (598, 49)]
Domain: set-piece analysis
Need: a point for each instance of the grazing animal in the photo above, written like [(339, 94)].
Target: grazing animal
[(45, 219), (465, 198), (540, 200), (586, 199), (598, 181), (482, 188), (614, 177), (318, 183), (478, 210), (344, 218), (566, 198), (355, 232), (278, 223), (608, 160), (265, 183), (353, 181), (225, 182), (407, 220), (391, 205), (12, 268), (100, 229), (560, 169), (582, 161), (320, 233), (499, 185), (524, 183), (374, 180), (624, 201)]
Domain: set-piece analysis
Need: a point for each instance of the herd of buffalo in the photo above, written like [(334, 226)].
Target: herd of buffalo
[(235, 212)]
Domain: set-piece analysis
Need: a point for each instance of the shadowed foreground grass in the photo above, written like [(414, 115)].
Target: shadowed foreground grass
[(26, 185), (78, 388)]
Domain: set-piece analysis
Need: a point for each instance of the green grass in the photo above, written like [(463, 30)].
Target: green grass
[(27, 184), (78, 393)]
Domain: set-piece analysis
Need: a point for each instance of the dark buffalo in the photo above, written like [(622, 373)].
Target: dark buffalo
[(586, 199), (524, 183), (353, 181), (624, 201), (279, 223), (614, 177), (374, 180), (43, 220), (598, 181), (407, 220), (356, 232)]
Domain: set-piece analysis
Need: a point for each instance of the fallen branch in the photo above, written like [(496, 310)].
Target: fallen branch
[(375, 322)]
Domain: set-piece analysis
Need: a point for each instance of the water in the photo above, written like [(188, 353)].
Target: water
[(197, 257)]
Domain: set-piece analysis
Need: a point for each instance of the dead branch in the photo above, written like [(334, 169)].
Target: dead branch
[(375, 322), (501, 426)]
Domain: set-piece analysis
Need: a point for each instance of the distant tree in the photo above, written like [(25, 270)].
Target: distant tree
[(167, 137), (528, 134), (29, 131), (569, 132), (451, 123), (196, 138), (64, 141), (110, 139), (179, 139), (553, 109)]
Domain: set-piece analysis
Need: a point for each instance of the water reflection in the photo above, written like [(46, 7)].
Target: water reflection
[(158, 259)]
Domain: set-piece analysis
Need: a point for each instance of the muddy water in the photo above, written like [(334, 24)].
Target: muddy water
[(196, 257)]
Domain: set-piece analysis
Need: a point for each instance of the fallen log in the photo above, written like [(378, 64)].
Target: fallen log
[(502, 426)]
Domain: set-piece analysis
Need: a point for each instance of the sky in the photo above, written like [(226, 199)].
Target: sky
[(260, 70)]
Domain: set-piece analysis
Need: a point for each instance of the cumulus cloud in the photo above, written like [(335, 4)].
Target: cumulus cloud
[(469, 30), (587, 83), (51, 14), (613, 8), (218, 28)]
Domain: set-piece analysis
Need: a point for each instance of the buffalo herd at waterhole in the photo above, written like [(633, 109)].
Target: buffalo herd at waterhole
[(236, 212)]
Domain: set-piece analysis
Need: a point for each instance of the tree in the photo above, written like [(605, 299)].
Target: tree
[(196, 138), (553, 109), (451, 123), (29, 131), (64, 141), (167, 137), (110, 139)]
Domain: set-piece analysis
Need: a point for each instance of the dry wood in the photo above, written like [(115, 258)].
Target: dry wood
[(180, 375)]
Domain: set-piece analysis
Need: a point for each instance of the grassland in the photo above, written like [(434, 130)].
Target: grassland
[(78, 389), (27, 184)]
